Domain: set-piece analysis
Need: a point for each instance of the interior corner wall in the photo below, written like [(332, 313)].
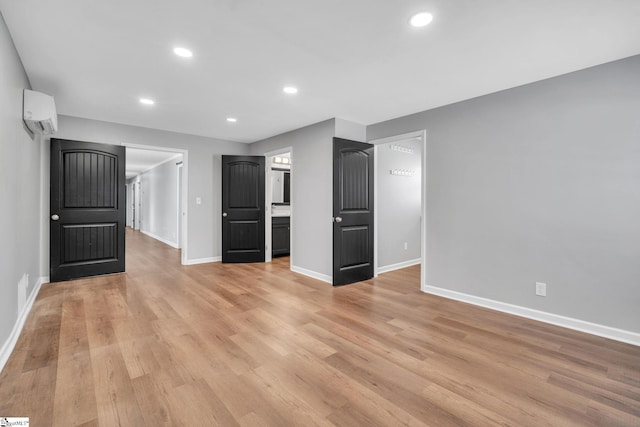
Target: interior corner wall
[(350, 130), (159, 202), (204, 174), (20, 181), (538, 183), (399, 204), (311, 194)]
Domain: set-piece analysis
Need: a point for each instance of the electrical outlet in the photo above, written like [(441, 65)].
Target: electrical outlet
[(541, 289), (405, 246)]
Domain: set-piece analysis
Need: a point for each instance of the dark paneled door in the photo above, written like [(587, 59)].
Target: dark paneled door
[(352, 211), (87, 209), (243, 209)]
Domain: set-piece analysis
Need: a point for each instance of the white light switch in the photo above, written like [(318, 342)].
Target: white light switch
[(198, 200)]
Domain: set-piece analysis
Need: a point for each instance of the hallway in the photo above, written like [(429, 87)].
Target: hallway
[(255, 344)]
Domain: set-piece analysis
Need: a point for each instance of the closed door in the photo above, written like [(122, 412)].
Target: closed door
[(243, 199), (87, 209), (352, 211)]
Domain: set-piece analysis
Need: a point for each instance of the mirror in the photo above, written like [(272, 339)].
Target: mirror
[(280, 186)]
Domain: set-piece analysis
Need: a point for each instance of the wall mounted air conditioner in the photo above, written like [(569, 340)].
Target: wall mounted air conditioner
[(40, 112)]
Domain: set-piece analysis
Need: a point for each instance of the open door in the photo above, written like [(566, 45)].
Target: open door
[(352, 211), (88, 210), (243, 209)]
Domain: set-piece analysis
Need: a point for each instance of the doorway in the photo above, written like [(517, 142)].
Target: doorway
[(179, 213), (279, 205), (157, 176), (400, 166)]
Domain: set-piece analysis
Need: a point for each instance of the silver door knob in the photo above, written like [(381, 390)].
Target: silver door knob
[(338, 219), (55, 217), (224, 214)]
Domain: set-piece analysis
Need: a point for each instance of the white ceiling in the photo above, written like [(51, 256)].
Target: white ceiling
[(139, 161), (357, 60)]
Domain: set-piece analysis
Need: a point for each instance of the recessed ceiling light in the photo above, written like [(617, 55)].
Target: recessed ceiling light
[(421, 19), (147, 101), (290, 90), (185, 53), (232, 119)]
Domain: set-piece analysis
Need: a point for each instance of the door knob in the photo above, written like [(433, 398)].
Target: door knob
[(55, 217), (338, 219), (224, 214)]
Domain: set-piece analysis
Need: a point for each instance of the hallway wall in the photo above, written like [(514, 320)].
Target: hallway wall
[(311, 195), (21, 169), (159, 202)]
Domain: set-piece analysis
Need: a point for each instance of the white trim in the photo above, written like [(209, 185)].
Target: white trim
[(376, 153), (179, 178), (202, 260), (185, 207), (542, 316), (397, 266), (401, 137), (312, 274), (161, 163), (10, 343), (423, 218), (166, 242)]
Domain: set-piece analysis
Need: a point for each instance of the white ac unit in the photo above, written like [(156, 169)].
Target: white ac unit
[(40, 112)]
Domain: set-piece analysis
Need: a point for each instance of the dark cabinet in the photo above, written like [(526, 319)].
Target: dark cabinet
[(280, 235)]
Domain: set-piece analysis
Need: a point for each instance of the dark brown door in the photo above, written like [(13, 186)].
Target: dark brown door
[(87, 209), (243, 209), (352, 211)]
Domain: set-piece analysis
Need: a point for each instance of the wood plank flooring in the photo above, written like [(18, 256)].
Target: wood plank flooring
[(257, 345)]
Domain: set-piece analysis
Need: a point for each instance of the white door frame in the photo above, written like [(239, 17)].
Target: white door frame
[(185, 189), (267, 199), (179, 210), (136, 203), (422, 134)]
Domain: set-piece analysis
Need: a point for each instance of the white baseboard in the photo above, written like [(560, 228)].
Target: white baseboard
[(11, 341), (203, 260), (165, 241), (542, 316), (312, 274), (397, 266)]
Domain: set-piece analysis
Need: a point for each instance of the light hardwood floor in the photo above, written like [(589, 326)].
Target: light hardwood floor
[(255, 344)]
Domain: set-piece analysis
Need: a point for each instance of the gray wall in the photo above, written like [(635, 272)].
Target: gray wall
[(350, 130), (398, 204), (311, 193), (129, 220), (20, 173), (538, 183), (204, 174), (159, 201)]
